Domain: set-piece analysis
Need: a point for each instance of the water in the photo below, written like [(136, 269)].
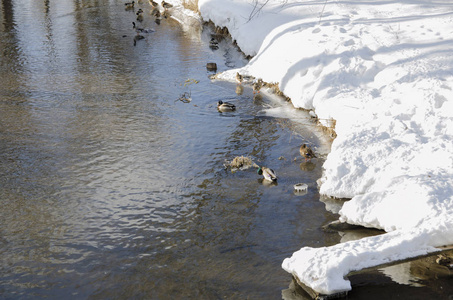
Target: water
[(111, 187)]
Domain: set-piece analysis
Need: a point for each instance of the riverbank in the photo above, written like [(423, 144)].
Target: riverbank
[(384, 74)]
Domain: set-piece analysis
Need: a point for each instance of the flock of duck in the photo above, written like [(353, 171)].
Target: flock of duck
[(158, 11), (256, 86), (162, 11), (305, 151)]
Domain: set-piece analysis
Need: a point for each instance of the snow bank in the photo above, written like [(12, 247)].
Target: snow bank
[(384, 71), (324, 269)]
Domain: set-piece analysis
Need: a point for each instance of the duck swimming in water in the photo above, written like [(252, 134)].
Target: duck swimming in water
[(213, 44), (139, 29), (140, 15), (129, 5), (138, 37), (267, 173), (225, 106)]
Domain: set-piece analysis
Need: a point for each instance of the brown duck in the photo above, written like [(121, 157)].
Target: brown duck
[(166, 5), (306, 152), (239, 78)]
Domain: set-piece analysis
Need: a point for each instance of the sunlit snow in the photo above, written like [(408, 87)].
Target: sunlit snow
[(384, 71)]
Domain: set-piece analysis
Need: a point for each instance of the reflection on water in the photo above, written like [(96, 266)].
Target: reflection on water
[(112, 188)]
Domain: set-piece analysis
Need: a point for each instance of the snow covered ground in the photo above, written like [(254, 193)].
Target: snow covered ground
[(384, 71)]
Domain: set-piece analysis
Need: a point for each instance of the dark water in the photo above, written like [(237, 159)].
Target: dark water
[(110, 187)]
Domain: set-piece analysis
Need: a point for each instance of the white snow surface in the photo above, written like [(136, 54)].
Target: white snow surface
[(384, 71)]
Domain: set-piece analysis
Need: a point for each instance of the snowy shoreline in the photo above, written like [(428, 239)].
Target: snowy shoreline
[(383, 71)]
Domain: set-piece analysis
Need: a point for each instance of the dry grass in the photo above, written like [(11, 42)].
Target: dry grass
[(241, 162), (273, 86), (191, 4)]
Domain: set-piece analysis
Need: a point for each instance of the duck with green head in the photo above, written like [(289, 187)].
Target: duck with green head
[(267, 173), (225, 106)]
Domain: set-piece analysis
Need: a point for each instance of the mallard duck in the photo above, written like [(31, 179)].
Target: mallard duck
[(144, 30), (129, 5), (140, 15), (213, 44), (267, 173), (257, 85), (138, 37), (155, 12), (166, 5), (239, 78), (153, 3), (225, 106), (445, 261), (306, 152)]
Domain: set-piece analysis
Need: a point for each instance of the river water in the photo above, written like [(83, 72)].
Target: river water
[(111, 187)]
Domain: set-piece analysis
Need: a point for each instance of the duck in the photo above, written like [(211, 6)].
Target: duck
[(129, 5), (156, 13), (445, 261), (257, 86), (213, 44), (166, 5), (144, 30), (267, 173), (153, 3), (137, 38), (166, 14), (239, 78), (140, 15), (225, 106), (306, 152)]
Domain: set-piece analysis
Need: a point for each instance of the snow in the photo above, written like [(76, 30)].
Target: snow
[(383, 70)]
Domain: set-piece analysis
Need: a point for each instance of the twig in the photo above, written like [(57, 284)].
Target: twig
[(256, 10), (322, 11)]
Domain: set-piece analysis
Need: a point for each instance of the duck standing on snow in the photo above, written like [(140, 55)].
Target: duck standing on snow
[(267, 173), (239, 78), (166, 5), (153, 3), (225, 106), (306, 152)]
